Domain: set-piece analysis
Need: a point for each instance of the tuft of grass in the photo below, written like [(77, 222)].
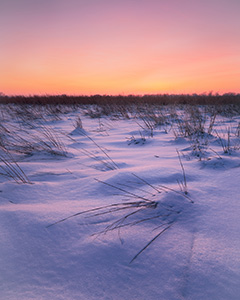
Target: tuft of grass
[(50, 141), (133, 140), (11, 169), (78, 123), (136, 211), (225, 140)]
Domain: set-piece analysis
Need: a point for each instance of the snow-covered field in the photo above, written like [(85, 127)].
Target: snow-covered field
[(81, 197)]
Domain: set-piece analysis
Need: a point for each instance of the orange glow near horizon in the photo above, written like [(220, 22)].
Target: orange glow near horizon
[(131, 47)]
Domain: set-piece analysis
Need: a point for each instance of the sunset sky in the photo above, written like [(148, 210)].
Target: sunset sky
[(119, 47)]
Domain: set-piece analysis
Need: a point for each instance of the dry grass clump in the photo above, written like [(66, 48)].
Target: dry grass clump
[(154, 208), (78, 123), (133, 213), (28, 134), (11, 169), (40, 139), (228, 139), (195, 122), (151, 118)]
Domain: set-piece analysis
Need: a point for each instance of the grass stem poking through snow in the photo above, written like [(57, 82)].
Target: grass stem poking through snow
[(112, 165), (152, 240), (147, 183), (122, 190), (182, 184)]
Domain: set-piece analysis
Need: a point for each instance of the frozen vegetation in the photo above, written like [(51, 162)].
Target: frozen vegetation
[(134, 202)]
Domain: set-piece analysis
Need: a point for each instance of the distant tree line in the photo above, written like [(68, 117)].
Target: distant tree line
[(159, 99)]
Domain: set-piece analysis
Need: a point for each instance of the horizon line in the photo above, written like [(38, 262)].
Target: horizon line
[(211, 93)]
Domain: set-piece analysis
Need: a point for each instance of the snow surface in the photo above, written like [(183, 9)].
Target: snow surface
[(197, 257)]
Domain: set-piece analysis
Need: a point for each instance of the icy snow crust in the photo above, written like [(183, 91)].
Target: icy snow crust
[(118, 161)]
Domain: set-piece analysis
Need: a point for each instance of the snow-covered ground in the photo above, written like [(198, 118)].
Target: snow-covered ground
[(128, 180)]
